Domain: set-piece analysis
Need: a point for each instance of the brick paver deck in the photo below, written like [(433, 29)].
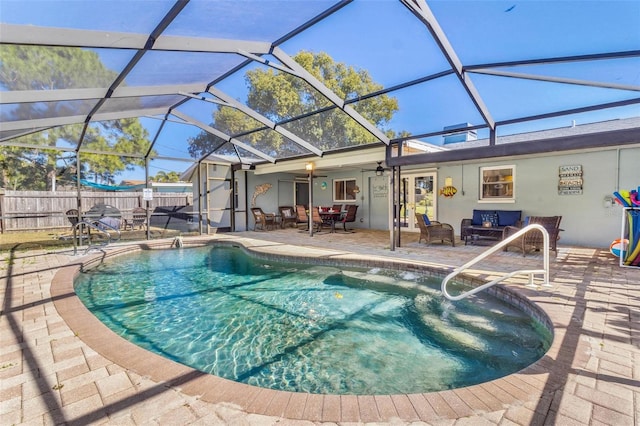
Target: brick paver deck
[(58, 365)]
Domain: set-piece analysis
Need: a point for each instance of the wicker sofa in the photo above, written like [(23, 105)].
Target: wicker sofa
[(499, 219)]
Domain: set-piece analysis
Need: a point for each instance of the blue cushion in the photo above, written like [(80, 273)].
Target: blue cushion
[(526, 221), (490, 217), (426, 219), (508, 217), (476, 220)]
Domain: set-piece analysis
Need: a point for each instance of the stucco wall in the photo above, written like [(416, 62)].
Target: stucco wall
[(585, 219), (282, 193)]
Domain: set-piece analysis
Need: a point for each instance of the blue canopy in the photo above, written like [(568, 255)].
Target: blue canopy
[(109, 187)]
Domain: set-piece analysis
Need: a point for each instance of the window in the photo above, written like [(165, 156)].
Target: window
[(345, 189), (497, 183)]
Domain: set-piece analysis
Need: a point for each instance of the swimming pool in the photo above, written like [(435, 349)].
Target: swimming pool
[(308, 328)]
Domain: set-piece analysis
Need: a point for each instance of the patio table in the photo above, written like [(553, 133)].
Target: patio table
[(331, 216), (482, 235)]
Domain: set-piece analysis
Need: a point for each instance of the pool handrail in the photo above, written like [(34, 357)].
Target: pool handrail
[(93, 225), (531, 272)]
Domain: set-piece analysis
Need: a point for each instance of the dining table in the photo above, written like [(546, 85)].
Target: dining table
[(331, 216)]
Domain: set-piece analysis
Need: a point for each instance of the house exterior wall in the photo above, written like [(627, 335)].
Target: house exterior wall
[(585, 218), (281, 193)]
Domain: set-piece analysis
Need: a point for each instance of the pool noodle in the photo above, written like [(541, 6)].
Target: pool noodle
[(626, 202), (633, 248), (634, 231), (634, 258), (628, 258), (635, 226)]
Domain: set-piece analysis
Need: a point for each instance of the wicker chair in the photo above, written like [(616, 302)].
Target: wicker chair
[(288, 216), (435, 231), (262, 219), (533, 239)]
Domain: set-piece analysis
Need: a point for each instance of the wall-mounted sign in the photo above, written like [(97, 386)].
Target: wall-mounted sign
[(570, 180), (147, 194), (379, 187)]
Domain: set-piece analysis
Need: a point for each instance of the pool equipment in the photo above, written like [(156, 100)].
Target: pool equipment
[(623, 198), (632, 255), (627, 198)]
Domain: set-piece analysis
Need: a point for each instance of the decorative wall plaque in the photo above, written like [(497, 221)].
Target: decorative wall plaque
[(570, 180)]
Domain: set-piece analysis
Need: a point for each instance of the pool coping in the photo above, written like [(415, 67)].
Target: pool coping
[(528, 385)]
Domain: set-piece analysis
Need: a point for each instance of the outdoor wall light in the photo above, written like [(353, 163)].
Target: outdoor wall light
[(379, 169), (309, 166), (448, 181), (246, 166)]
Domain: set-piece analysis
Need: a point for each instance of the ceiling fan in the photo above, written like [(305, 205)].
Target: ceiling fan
[(379, 170)]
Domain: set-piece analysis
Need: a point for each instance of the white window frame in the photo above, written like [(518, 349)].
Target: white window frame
[(343, 197), (496, 179)]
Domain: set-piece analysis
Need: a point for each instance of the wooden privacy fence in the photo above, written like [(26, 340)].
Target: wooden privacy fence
[(40, 210)]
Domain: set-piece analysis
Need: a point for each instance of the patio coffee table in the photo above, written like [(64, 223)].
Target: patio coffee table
[(481, 235)]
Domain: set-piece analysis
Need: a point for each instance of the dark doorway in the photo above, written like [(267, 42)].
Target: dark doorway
[(302, 193)]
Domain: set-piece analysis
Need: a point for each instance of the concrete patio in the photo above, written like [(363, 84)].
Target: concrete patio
[(58, 367)]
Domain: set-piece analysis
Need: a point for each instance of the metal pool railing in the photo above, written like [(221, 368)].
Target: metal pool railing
[(92, 225), (531, 272)]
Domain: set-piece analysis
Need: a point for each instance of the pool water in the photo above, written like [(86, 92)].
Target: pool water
[(307, 328)]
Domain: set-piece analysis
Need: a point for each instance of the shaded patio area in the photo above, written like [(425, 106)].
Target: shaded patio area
[(58, 366)]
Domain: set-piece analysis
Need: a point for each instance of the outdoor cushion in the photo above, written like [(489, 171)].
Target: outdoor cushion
[(490, 217), (426, 220), (508, 217), (477, 216)]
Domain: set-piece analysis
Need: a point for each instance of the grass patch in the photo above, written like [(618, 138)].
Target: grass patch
[(39, 240)]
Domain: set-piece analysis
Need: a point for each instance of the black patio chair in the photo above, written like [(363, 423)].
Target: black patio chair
[(350, 216)]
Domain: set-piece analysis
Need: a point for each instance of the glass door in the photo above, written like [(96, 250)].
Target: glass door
[(417, 196)]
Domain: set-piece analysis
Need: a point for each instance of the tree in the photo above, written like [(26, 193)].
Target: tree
[(280, 96), (166, 177), (54, 68), (126, 136)]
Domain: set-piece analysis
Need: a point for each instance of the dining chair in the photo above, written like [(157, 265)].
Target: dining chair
[(301, 213), (73, 216), (349, 216), (139, 219), (317, 219)]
